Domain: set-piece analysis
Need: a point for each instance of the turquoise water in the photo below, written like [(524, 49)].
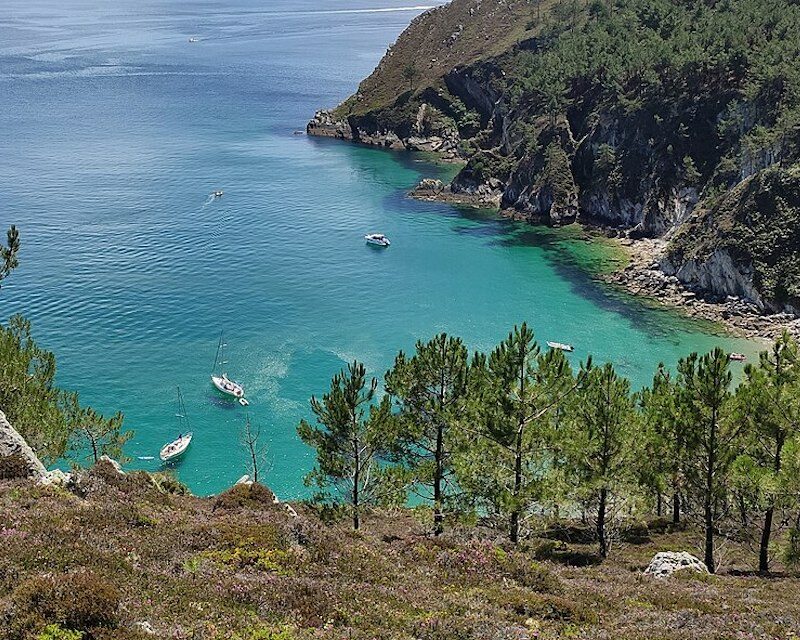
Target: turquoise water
[(115, 130)]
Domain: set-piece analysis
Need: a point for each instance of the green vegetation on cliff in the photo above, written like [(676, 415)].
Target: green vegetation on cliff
[(634, 113)]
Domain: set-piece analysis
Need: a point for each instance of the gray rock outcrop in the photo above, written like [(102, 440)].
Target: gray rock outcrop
[(664, 564), (13, 445)]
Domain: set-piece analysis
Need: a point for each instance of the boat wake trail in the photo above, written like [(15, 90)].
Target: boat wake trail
[(208, 201)]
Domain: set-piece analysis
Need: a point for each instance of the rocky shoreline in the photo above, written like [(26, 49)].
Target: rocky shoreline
[(643, 276)]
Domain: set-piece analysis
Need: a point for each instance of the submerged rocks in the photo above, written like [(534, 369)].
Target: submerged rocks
[(664, 564)]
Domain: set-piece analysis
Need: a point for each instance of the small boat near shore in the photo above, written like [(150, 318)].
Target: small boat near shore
[(561, 346), (738, 357), (377, 239)]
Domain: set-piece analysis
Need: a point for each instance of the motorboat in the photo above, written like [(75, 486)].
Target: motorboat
[(217, 194), (738, 357), (561, 346), (194, 39), (176, 448), (221, 381), (377, 239)]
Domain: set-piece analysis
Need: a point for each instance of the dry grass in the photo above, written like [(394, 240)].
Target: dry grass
[(239, 567), (457, 34)]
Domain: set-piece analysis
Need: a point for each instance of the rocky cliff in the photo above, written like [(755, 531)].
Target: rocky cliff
[(560, 115)]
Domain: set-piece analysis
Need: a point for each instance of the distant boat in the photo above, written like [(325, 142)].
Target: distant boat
[(220, 380), (377, 239), (194, 39), (217, 194), (176, 448), (738, 357), (561, 346)]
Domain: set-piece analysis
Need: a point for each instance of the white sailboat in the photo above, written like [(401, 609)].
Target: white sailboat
[(176, 448), (221, 381)]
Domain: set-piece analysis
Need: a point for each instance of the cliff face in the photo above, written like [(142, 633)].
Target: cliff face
[(747, 244), (561, 115)]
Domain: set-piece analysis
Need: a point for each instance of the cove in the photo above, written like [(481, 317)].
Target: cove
[(118, 128)]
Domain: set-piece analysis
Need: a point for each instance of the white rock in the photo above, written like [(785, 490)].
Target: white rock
[(144, 627), (245, 479), (56, 477), (665, 563)]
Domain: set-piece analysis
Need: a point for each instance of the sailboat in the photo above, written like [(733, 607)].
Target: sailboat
[(221, 381), (176, 448)]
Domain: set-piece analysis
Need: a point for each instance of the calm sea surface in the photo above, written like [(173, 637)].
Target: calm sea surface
[(115, 128)]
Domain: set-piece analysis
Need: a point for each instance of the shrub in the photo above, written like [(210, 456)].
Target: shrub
[(168, 483), (79, 601), (532, 575), (241, 496), (13, 467), (542, 606), (55, 632)]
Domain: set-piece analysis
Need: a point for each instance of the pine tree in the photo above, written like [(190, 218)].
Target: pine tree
[(9, 254), (349, 441), (430, 392), (704, 384), (665, 439), (768, 408), (522, 391), (600, 443)]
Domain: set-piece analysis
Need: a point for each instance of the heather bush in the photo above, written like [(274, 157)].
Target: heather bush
[(243, 496), (80, 601), (13, 467)]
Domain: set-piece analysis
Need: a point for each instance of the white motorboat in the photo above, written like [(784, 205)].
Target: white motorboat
[(738, 357), (221, 381), (560, 345), (193, 39), (217, 194), (177, 447), (377, 239)]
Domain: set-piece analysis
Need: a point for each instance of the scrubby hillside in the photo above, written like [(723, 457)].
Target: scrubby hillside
[(631, 113), (129, 557)]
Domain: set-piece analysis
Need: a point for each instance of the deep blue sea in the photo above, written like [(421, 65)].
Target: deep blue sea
[(115, 128)]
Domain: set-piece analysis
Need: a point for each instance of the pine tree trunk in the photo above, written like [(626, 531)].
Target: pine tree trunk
[(515, 514), (438, 515), (659, 504), (676, 508), (601, 523), (709, 497), (356, 480), (763, 551)]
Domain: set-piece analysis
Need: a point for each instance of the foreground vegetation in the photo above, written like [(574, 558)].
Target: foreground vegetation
[(517, 434), (116, 552)]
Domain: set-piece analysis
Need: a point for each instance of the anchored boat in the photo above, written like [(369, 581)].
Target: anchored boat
[(377, 239), (221, 381), (561, 346), (178, 447)]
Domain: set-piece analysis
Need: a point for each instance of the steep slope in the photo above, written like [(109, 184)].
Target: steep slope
[(629, 113), (747, 244)]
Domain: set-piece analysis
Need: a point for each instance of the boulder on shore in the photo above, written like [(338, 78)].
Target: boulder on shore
[(664, 564)]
